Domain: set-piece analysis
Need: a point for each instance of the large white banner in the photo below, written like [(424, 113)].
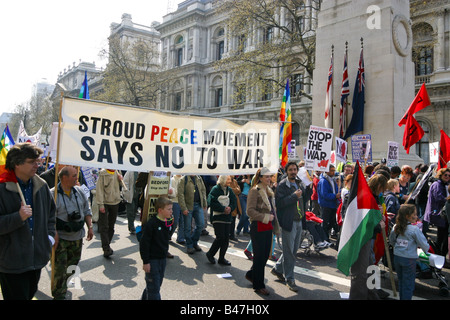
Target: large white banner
[(102, 135)]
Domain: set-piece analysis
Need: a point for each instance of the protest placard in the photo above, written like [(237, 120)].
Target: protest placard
[(434, 152), (359, 148), (341, 149), (102, 135), (392, 154), (318, 148)]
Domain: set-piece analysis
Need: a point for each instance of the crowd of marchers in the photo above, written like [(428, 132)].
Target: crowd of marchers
[(45, 214)]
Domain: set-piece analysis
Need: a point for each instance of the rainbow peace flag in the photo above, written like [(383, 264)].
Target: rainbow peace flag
[(5, 144), (286, 126)]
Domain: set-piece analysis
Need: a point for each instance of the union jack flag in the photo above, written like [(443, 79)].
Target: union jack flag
[(345, 92), (357, 122)]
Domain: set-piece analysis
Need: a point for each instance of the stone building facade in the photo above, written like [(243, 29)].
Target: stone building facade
[(194, 36)]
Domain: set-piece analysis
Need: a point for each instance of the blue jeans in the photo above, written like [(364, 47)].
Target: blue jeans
[(178, 222), (192, 236), (154, 279), (243, 221), (406, 273)]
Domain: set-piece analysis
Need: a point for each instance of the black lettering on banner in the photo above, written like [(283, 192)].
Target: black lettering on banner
[(137, 161), (234, 159), (104, 152), (106, 127), (117, 129), (162, 155), (83, 126), (180, 152), (120, 150), (88, 155), (212, 158)]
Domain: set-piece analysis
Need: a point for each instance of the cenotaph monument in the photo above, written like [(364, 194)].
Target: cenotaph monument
[(383, 28)]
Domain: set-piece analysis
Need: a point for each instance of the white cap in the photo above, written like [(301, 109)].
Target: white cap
[(265, 172)]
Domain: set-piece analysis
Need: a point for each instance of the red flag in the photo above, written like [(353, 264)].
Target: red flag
[(413, 133), (421, 101), (444, 150), (8, 176)]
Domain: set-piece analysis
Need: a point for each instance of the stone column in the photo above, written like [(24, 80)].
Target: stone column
[(389, 71)]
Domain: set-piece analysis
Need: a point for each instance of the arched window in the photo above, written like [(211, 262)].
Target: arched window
[(179, 40)]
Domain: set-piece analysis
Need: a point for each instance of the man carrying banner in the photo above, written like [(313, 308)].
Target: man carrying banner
[(72, 212), (27, 223)]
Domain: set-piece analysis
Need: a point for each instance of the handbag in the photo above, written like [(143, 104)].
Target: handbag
[(436, 217), (224, 200)]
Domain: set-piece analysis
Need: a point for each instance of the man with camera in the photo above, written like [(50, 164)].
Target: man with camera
[(72, 213)]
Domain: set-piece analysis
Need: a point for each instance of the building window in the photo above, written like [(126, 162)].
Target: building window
[(241, 43), (266, 91), (220, 50), (179, 57), (189, 99), (423, 58), (179, 40), (268, 35), (296, 85), (423, 146), (240, 94), (219, 97), (177, 104)]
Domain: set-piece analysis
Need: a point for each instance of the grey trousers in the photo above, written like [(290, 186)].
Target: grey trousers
[(290, 241)]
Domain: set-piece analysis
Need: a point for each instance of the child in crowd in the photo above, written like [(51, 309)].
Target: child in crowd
[(154, 246), (406, 237), (391, 199)]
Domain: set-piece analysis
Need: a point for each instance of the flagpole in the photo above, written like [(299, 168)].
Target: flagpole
[(56, 186), (388, 256)]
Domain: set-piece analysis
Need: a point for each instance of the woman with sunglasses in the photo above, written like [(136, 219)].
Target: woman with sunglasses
[(436, 200)]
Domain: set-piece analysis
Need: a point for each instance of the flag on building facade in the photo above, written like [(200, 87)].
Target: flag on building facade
[(412, 134), (421, 101), (84, 91), (357, 122), (329, 97), (286, 126), (444, 150), (345, 92), (362, 215), (5, 145)]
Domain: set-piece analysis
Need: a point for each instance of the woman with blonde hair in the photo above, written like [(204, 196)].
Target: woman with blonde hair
[(261, 212)]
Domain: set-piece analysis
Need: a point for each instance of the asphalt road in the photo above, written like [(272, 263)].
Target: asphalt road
[(191, 278)]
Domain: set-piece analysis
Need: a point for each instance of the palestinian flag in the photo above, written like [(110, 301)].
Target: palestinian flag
[(362, 215)]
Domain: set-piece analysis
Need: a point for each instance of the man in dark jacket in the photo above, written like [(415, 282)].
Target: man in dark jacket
[(27, 230), (290, 212)]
